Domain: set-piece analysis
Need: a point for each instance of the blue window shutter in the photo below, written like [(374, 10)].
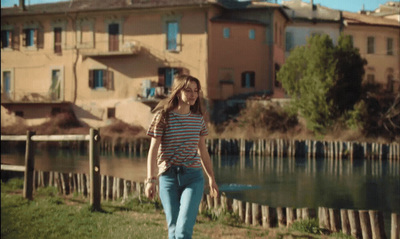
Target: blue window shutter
[(172, 34), (226, 32), (31, 37), (252, 34)]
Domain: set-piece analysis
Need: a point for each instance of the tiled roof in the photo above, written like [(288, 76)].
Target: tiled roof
[(299, 10), (362, 19), (93, 5)]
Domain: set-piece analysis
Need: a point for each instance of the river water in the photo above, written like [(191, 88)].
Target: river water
[(361, 184)]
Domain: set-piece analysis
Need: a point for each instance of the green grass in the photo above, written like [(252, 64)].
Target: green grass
[(51, 215)]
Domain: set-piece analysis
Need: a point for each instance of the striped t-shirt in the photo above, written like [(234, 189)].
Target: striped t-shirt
[(180, 139)]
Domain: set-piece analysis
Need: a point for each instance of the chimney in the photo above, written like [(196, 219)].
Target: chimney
[(313, 7), (22, 5)]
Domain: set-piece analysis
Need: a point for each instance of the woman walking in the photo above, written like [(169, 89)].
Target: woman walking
[(179, 150)]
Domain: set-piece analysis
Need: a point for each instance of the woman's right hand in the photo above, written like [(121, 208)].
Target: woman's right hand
[(150, 190)]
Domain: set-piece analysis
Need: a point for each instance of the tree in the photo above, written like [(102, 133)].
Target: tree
[(323, 80)]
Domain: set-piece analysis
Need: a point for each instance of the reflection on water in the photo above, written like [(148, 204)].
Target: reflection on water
[(127, 166), (361, 184)]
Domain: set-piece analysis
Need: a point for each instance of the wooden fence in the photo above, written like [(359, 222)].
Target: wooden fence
[(28, 169)]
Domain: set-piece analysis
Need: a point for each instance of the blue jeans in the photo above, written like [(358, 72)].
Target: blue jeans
[(181, 190)]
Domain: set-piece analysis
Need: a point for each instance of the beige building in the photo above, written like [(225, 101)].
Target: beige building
[(378, 41), (116, 59)]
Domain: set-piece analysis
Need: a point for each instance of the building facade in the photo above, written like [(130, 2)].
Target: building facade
[(378, 41), (116, 59)]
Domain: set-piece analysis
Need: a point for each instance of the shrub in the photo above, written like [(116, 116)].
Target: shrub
[(307, 226)]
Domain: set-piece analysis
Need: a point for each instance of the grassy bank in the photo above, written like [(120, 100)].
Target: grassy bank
[(51, 215)]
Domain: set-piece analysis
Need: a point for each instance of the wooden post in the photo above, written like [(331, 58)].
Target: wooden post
[(377, 224), (280, 211), (395, 227), (94, 169), (299, 214), (248, 215), (290, 216), (334, 219), (242, 209), (256, 213), (266, 213), (323, 216), (365, 224), (29, 166), (355, 227), (345, 221)]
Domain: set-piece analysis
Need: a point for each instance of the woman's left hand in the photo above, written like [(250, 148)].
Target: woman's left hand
[(214, 191)]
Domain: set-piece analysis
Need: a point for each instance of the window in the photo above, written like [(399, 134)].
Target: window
[(277, 83), (33, 37), (351, 40), (166, 76), (6, 39), (57, 39), (225, 76), (226, 32), (113, 37), (101, 79), (289, 41), (85, 33), (110, 113), (389, 46), (370, 79), (248, 79), (6, 84), (172, 35), (10, 38), (390, 83), (371, 45), (252, 34), (30, 37), (55, 87)]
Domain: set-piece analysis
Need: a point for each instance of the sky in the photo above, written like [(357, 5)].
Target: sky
[(345, 5)]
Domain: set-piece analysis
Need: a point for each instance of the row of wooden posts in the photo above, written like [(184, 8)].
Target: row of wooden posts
[(358, 223), (305, 148), (290, 148)]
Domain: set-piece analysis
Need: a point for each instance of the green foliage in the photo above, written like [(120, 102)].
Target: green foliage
[(341, 235), (12, 185), (307, 226), (321, 79), (223, 217), (354, 118)]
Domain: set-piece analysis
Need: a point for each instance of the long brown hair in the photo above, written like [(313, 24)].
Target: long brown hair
[(170, 103)]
